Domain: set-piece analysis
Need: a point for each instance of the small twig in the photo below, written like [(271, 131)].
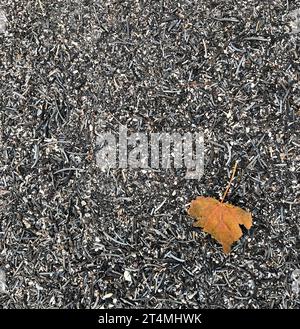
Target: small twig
[(68, 169), (231, 179)]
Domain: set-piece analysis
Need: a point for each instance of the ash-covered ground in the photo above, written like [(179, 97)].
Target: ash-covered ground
[(73, 236)]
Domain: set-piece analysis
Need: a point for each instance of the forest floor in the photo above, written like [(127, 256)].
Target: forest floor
[(74, 236)]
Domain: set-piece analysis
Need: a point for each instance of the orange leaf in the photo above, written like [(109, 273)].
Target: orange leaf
[(221, 220)]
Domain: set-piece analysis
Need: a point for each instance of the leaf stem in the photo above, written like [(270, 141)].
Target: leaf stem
[(231, 179)]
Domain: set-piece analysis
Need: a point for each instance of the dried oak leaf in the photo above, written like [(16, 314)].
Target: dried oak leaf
[(221, 220)]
